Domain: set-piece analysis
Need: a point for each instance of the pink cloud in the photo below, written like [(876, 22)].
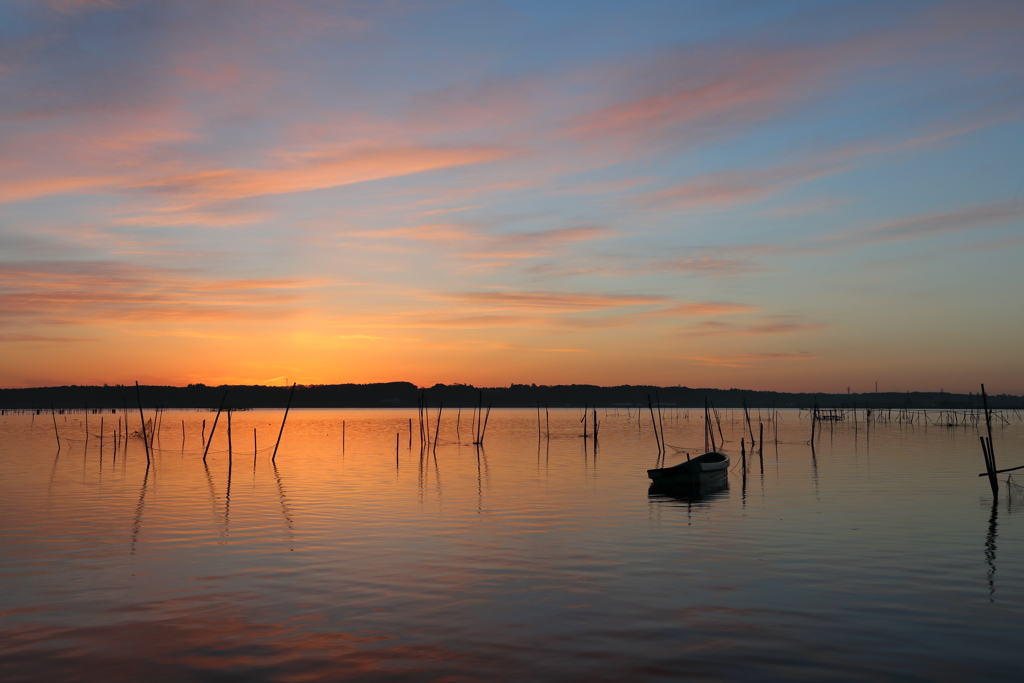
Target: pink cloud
[(932, 224), (747, 360), (737, 186), (102, 292), (776, 324), (478, 249), (697, 308), (552, 301), (319, 172)]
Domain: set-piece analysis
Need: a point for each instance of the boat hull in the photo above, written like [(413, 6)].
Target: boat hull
[(700, 471), (688, 478)]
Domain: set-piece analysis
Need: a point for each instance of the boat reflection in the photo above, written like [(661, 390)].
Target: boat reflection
[(704, 493)]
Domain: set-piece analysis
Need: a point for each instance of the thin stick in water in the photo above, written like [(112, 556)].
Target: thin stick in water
[(283, 420), (53, 414), (142, 417), (214, 427), (484, 430)]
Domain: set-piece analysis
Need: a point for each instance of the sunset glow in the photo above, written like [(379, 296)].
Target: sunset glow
[(797, 196)]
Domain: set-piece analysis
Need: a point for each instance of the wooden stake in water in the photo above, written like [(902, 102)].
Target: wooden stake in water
[(479, 413), (746, 413), (661, 422), (230, 454), (53, 414), (990, 460), (214, 427), (343, 436), (437, 427), (484, 430), (142, 418), (760, 446), (253, 448), (273, 457), (654, 423)]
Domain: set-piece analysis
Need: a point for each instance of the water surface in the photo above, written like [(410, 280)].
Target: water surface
[(879, 555)]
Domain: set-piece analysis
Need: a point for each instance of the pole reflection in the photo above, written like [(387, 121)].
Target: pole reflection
[(137, 523), (990, 548)]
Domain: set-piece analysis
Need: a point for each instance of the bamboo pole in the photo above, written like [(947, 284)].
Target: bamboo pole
[(142, 417), (654, 423), (230, 453), (437, 427), (660, 421), (53, 414), (706, 441), (273, 457), (479, 415), (214, 427), (746, 414), (760, 446), (483, 431)]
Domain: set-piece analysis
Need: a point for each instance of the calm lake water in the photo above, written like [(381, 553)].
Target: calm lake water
[(879, 557)]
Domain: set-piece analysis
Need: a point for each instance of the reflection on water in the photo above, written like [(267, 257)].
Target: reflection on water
[(990, 548), (545, 554), (688, 495), (137, 524)]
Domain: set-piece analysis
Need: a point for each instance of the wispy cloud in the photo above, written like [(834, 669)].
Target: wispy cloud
[(735, 187), (769, 325), (39, 338), (477, 248), (552, 301), (747, 360), (319, 172), (697, 308), (932, 224), (103, 293)]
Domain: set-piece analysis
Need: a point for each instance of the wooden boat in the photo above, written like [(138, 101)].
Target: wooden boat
[(702, 470)]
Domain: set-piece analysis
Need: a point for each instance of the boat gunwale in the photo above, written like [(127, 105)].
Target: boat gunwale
[(703, 463)]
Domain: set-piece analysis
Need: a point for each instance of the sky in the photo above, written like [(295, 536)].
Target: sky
[(798, 196)]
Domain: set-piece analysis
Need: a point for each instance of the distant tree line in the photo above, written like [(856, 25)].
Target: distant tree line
[(406, 395)]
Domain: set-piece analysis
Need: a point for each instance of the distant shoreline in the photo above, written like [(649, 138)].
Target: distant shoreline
[(408, 395)]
